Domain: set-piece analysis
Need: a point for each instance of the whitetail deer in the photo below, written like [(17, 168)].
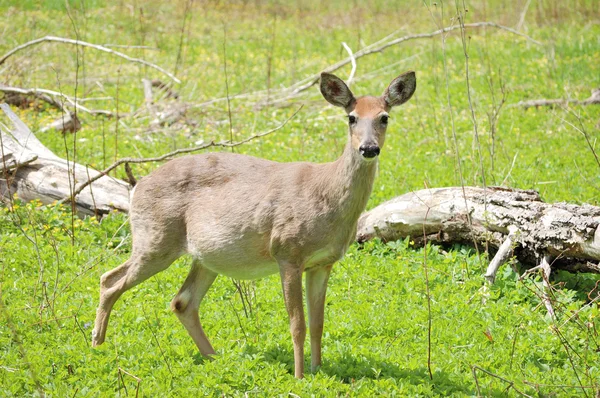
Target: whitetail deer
[(246, 218)]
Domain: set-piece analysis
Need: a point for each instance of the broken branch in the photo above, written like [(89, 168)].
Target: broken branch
[(85, 44), (594, 99), (40, 174), (546, 271), (353, 71), (377, 47), (502, 256), (47, 96)]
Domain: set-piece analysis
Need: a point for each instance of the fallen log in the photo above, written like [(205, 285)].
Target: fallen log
[(32, 171), (508, 222)]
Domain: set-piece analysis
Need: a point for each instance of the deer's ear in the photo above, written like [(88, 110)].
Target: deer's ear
[(335, 91), (400, 89)]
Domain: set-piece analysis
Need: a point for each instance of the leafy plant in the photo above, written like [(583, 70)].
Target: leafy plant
[(376, 333)]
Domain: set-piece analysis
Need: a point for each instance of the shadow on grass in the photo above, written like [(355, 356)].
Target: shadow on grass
[(201, 360), (347, 369)]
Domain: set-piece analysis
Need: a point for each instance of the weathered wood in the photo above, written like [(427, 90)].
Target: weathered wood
[(12, 154), (45, 176), (66, 123), (569, 234), (34, 172), (164, 114), (503, 254)]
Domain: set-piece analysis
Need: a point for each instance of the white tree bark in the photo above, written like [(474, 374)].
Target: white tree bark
[(32, 171), (566, 233)]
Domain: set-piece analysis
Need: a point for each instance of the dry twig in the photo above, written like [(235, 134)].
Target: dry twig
[(85, 44), (594, 99), (353, 71), (502, 256), (377, 47), (523, 14), (546, 271), (511, 384), (137, 380)]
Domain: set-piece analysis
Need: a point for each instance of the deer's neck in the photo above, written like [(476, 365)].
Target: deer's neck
[(348, 183)]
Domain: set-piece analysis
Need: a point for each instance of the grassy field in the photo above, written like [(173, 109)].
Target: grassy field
[(493, 342)]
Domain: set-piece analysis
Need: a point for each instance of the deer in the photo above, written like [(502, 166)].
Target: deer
[(245, 217)]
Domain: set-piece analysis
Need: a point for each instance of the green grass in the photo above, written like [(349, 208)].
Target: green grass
[(376, 333)]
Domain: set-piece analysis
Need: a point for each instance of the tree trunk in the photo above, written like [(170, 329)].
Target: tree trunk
[(504, 221)]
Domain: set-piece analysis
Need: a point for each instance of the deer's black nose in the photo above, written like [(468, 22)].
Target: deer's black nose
[(369, 151)]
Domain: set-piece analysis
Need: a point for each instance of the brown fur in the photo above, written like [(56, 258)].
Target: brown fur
[(245, 218)]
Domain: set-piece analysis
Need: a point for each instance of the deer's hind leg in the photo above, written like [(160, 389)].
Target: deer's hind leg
[(117, 281), (187, 302), (149, 256)]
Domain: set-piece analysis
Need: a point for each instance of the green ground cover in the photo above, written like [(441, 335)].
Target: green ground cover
[(376, 332)]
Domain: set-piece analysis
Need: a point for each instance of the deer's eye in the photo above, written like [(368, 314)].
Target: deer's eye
[(385, 119), (352, 119)]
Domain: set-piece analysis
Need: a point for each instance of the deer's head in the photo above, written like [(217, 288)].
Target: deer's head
[(368, 116)]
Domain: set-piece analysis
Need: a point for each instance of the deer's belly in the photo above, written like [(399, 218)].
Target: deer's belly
[(249, 256), (242, 268), (239, 257), (254, 267)]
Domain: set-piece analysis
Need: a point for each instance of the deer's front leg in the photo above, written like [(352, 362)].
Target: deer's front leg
[(316, 287), (291, 281)]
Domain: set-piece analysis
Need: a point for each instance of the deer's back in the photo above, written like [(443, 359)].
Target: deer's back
[(238, 214)]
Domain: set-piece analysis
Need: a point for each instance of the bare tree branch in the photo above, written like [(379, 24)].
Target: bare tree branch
[(47, 96), (42, 94), (594, 99), (353, 71), (546, 271), (378, 47), (131, 46), (523, 14), (502, 255), (85, 44)]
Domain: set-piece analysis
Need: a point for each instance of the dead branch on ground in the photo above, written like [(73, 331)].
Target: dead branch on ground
[(297, 88), (85, 44), (594, 99), (49, 96), (163, 113), (385, 43)]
